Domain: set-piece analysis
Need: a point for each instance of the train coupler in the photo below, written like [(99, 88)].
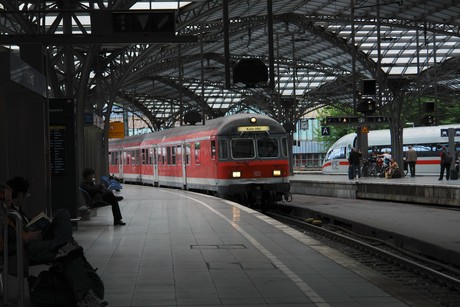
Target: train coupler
[(258, 196)]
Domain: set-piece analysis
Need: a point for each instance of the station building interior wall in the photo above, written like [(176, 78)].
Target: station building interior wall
[(24, 140)]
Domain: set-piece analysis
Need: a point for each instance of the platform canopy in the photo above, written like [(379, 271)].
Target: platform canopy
[(316, 52)]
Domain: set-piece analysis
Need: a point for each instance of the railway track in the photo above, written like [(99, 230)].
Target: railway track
[(437, 281)]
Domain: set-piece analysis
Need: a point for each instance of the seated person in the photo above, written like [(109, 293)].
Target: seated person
[(393, 170), (101, 195), (51, 245)]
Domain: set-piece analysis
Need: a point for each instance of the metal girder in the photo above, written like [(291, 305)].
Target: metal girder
[(123, 63), (416, 24), (174, 84), (152, 68), (89, 39), (142, 109)]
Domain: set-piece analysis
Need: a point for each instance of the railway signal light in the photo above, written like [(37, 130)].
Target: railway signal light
[(369, 87), (366, 106), (429, 120), (429, 107)]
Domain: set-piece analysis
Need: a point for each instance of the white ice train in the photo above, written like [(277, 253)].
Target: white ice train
[(427, 141)]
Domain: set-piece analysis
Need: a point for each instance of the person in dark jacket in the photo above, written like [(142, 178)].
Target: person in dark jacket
[(355, 163), (411, 158), (446, 160), (52, 245), (101, 195)]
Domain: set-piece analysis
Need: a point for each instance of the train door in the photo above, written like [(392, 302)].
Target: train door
[(184, 158), (214, 158), (155, 166), (121, 163)]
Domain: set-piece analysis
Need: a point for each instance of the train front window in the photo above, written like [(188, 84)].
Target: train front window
[(267, 148), (284, 147), (243, 148), (336, 153)]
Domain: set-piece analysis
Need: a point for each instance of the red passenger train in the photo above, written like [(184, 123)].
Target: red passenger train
[(242, 157)]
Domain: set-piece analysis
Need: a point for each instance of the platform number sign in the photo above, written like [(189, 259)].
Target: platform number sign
[(325, 131)]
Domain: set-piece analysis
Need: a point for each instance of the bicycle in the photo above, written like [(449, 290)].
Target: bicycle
[(369, 168)]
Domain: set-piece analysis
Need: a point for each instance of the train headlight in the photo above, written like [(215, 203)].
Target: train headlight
[(236, 174), (253, 120), (276, 173)]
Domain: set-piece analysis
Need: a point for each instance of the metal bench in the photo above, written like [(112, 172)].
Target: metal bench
[(91, 204)]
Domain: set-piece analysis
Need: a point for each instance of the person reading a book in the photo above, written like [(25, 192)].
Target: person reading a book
[(45, 238), (100, 195), (50, 240)]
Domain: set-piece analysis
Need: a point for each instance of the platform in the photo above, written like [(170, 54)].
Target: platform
[(418, 190), (185, 249), (418, 228), (401, 215)]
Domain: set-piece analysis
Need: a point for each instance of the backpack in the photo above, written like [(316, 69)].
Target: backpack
[(396, 173), (96, 282), (51, 288)]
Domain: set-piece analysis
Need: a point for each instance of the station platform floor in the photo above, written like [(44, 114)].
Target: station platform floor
[(186, 249)]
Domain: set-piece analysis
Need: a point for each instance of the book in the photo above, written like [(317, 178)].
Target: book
[(39, 222)]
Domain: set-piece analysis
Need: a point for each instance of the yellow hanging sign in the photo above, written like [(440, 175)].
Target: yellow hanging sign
[(116, 130)]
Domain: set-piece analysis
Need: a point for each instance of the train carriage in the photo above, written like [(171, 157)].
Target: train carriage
[(242, 156), (427, 142), (124, 158)]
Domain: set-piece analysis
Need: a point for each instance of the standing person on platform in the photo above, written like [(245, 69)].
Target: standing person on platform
[(99, 193), (55, 244), (411, 158), (446, 160), (355, 162)]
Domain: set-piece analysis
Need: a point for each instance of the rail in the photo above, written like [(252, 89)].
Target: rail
[(396, 263)]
